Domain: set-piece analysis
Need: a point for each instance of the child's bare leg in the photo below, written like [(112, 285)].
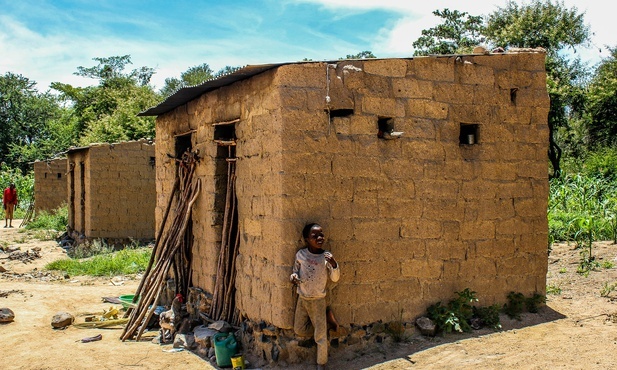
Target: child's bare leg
[(332, 323)]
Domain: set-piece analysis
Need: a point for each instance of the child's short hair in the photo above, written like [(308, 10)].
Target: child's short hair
[(307, 229)]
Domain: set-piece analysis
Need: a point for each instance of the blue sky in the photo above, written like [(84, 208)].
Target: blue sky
[(46, 40)]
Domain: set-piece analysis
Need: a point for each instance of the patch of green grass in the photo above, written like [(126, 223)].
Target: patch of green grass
[(563, 270), (553, 289), (608, 265), (124, 262), (607, 289), (54, 220)]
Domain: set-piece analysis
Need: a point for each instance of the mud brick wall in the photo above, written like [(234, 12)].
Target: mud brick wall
[(50, 184), (119, 189), (410, 220)]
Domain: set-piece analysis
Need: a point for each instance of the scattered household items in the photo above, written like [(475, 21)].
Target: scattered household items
[(6, 315), (108, 319), (61, 320), (127, 300), (15, 254), (237, 362), (6, 293), (225, 346), (92, 339)]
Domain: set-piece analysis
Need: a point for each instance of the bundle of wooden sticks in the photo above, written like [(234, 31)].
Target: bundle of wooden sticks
[(172, 250)]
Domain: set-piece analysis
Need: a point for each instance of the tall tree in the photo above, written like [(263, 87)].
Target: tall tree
[(25, 117), (108, 112), (192, 76), (458, 33), (602, 103), (553, 27)]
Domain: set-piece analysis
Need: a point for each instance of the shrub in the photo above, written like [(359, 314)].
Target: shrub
[(54, 220)]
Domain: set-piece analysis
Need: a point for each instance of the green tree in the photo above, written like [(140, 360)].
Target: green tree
[(367, 54), (191, 77), (602, 103), (554, 28), (28, 119), (108, 112), (194, 76), (458, 33)]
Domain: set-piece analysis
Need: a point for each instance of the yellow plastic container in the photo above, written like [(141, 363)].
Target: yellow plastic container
[(237, 362)]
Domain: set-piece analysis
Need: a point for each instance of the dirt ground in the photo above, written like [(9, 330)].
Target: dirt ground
[(577, 329)]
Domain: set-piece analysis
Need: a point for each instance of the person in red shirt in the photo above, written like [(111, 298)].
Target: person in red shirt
[(9, 200)]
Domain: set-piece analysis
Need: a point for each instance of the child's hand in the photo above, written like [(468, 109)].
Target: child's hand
[(295, 279), (330, 259)]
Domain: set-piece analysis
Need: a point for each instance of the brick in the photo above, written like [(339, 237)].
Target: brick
[(386, 68)]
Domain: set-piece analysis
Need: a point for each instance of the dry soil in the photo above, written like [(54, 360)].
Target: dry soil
[(577, 329)]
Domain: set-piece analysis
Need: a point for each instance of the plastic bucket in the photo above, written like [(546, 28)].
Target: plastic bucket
[(224, 348), (237, 362)]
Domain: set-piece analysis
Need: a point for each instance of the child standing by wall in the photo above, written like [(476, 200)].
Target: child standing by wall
[(312, 267)]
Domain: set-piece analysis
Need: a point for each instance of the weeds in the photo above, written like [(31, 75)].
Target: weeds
[(54, 220), (553, 289), (124, 262), (517, 303), (607, 289), (489, 316), (456, 315)]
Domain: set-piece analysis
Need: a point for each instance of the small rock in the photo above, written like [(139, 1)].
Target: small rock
[(186, 341), (203, 336), (6, 315), (221, 326), (2, 269), (62, 320), (427, 326)]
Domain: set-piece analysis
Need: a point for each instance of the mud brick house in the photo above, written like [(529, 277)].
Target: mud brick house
[(458, 200), (50, 184), (111, 190)]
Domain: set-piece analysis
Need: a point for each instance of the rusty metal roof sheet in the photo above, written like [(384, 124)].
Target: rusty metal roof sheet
[(186, 94)]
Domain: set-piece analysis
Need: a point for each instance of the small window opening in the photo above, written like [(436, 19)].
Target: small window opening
[(513, 95), (341, 113), (469, 134), (385, 129), (45, 174), (152, 161), (59, 175), (225, 133), (183, 143)]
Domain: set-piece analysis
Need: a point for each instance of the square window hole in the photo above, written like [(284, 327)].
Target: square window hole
[(469, 134)]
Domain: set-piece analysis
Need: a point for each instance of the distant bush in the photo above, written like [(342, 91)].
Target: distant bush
[(54, 220)]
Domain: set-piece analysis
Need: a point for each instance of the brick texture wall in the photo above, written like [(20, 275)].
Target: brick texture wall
[(118, 190), (50, 184), (410, 220)]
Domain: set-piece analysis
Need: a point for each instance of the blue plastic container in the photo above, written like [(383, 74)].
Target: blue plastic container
[(225, 346)]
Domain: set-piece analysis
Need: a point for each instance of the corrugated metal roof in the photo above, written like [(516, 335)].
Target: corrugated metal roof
[(186, 94)]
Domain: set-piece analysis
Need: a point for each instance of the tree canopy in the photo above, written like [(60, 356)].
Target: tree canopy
[(458, 33), (108, 112), (540, 23)]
